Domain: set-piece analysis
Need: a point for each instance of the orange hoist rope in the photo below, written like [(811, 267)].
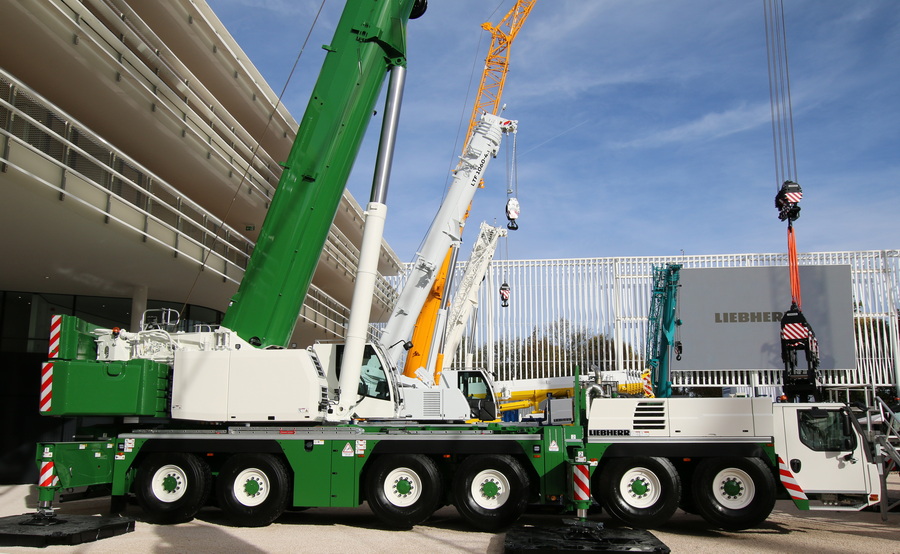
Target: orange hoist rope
[(794, 266)]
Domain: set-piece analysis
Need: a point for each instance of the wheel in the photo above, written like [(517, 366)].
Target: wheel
[(491, 491), (734, 493), (403, 490), (253, 489), (172, 487), (640, 492)]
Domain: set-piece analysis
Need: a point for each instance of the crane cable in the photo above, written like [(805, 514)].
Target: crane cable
[(788, 191), (796, 332)]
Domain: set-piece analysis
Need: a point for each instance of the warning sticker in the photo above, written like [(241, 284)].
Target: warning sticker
[(360, 447), (129, 445), (554, 447), (318, 442), (347, 452)]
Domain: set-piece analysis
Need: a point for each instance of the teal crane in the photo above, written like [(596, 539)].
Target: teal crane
[(661, 327)]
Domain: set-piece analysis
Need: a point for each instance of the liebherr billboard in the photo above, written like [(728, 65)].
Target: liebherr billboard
[(731, 316)]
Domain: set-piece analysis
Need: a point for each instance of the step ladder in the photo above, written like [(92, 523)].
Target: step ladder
[(886, 442)]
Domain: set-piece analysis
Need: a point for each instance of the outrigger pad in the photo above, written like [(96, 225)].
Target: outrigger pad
[(63, 529), (575, 536)]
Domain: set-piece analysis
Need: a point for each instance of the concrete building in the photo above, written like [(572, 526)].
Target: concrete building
[(139, 151)]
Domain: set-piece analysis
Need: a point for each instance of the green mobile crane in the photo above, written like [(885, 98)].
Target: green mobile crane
[(230, 410)]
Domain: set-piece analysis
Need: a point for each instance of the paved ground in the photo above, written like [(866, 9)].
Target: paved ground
[(356, 530)]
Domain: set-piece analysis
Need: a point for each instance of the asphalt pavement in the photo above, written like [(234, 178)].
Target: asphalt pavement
[(357, 530)]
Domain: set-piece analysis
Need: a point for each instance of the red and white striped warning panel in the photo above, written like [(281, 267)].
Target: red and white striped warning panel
[(794, 331), (648, 385), (46, 386), (581, 475), (47, 477), (787, 479), (55, 332), (793, 197)]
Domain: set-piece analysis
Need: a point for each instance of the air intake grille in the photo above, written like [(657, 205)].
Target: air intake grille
[(431, 404), (650, 415)]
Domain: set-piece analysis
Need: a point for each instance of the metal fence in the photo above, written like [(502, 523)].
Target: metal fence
[(592, 312)]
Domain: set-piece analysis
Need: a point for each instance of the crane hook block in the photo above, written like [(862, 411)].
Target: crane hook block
[(504, 295), (797, 335), (512, 213), (788, 201)]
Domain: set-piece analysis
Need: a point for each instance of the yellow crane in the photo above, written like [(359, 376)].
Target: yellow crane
[(490, 90)]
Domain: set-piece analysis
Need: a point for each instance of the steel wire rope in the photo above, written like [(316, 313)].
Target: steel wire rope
[(253, 156), (780, 103), (780, 106)]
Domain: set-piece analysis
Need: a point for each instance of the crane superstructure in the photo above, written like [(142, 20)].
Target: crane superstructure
[(487, 101)]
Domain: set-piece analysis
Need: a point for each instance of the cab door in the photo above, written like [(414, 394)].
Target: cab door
[(821, 448)]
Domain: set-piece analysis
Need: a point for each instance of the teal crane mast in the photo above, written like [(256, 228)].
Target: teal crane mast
[(661, 328)]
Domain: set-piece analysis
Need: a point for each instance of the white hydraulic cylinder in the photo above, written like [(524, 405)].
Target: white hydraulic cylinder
[(358, 323), (445, 230)]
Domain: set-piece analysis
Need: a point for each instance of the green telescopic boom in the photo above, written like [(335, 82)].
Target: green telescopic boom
[(369, 40)]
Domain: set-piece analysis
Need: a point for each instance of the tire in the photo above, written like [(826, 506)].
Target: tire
[(403, 490), (172, 487), (253, 489), (734, 493), (640, 492), (491, 491)]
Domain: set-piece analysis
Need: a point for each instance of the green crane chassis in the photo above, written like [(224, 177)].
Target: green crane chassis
[(640, 471), (490, 472)]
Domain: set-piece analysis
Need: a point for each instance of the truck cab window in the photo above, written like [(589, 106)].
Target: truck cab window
[(372, 380), (826, 430)]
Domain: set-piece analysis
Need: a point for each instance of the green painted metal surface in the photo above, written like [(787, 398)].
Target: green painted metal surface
[(125, 388), (327, 472), (127, 452), (76, 339), (79, 464), (370, 38)]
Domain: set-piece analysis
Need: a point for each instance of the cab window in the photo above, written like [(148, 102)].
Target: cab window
[(372, 379), (472, 385), (826, 430)]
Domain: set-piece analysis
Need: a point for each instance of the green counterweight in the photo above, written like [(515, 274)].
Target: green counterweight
[(370, 38)]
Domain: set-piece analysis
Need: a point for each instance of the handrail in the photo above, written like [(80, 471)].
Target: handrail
[(236, 246), (125, 60)]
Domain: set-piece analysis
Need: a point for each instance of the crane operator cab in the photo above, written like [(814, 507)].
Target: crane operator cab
[(478, 389)]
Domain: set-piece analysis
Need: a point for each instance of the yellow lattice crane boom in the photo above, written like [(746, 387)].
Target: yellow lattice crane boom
[(496, 63), (487, 100)]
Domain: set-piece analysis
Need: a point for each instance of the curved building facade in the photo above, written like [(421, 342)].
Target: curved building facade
[(139, 151)]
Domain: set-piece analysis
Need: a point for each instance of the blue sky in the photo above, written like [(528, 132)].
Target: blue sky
[(644, 125)]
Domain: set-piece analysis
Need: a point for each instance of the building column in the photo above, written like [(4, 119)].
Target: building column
[(138, 307)]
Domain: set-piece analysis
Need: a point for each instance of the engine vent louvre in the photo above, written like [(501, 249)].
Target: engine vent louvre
[(431, 404), (316, 362), (650, 415)]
